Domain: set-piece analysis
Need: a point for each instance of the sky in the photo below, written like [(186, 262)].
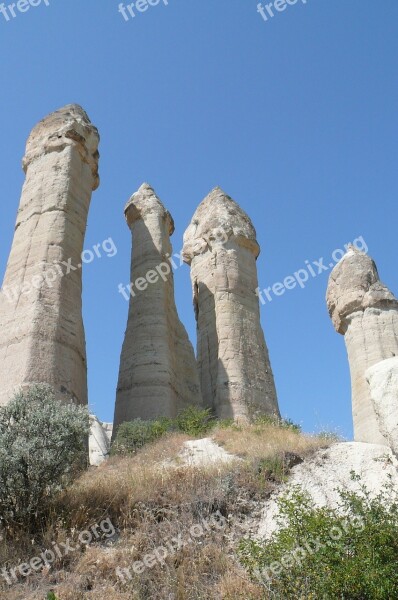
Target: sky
[(295, 117)]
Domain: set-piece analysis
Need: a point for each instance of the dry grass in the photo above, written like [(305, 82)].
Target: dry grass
[(150, 505), (265, 441)]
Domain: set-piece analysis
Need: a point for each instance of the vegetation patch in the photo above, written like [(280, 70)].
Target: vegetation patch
[(350, 553), (43, 446), (133, 435)]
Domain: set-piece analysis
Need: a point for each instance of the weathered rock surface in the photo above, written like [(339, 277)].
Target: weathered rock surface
[(200, 453), (383, 383), (366, 313), (220, 246), (158, 373), (197, 453), (331, 470), (99, 443), (41, 328)]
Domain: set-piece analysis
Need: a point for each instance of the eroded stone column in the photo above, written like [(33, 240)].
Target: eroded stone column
[(366, 313), (158, 374), (235, 373), (382, 379), (41, 335)]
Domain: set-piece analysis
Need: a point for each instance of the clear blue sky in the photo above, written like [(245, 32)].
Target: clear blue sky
[(295, 118)]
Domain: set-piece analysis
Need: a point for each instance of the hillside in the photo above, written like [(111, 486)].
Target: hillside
[(183, 518)]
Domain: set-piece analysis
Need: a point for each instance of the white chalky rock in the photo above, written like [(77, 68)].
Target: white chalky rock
[(383, 383), (204, 452), (235, 373), (41, 327), (200, 453), (366, 313), (99, 441), (158, 374), (331, 470)]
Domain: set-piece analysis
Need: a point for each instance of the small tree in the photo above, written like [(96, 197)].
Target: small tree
[(43, 443)]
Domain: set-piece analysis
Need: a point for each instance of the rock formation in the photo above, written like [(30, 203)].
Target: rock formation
[(220, 246), (329, 470), (366, 313), (383, 388), (41, 334), (200, 453), (158, 373), (99, 441)]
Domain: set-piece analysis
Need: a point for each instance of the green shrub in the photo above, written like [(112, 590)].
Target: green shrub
[(273, 468), (194, 421), (322, 553), (227, 424), (43, 443), (133, 435)]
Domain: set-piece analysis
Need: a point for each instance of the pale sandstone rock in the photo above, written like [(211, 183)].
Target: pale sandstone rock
[(220, 246), (158, 374), (366, 313), (330, 470), (383, 383), (108, 428), (41, 334), (99, 442), (201, 453)]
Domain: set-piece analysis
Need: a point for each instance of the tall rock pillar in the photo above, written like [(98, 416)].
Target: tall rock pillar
[(41, 328), (366, 313), (220, 246), (158, 373)]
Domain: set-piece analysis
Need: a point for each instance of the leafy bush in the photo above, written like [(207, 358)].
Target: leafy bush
[(43, 442), (194, 421), (322, 553), (133, 435)]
